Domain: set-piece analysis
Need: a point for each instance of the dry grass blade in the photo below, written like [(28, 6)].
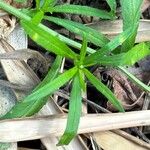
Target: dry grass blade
[(132, 138), (24, 54), (146, 106), (117, 142), (116, 28), (15, 86), (16, 70), (54, 125)]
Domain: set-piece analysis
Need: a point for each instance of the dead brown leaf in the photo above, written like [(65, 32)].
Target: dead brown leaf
[(123, 90)]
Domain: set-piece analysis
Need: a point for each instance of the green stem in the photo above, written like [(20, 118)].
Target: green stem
[(14, 11)]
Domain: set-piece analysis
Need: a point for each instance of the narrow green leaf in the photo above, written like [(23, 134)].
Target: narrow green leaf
[(104, 90), (134, 79), (37, 17), (13, 10), (47, 40), (130, 12), (131, 15), (20, 1), (137, 53), (112, 4), (37, 4), (52, 86), (82, 10), (48, 3), (113, 44), (82, 80), (74, 114), (34, 102), (83, 50), (92, 35)]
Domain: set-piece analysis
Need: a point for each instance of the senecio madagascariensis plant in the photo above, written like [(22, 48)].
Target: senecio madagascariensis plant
[(128, 54)]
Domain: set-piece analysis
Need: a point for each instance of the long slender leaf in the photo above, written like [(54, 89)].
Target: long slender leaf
[(82, 10), (74, 114), (37, 4), (137, 53), (47, 40), (112, 4), (83, 50), (104, 90), (82, 80), (34, 102), (92, 35), (131, 15), (13, 11), (92, 59), (20, 1), (48, 3), (38, 17), (130, 12), (134, 79)]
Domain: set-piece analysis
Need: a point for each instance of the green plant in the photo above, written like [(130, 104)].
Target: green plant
[(126, 54)]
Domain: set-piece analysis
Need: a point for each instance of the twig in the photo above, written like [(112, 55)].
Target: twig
[(140, 134), (66, 96), (54, 125), (146, 104)]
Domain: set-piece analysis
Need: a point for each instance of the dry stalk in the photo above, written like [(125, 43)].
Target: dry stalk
[(54, 125), (116, 28)]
